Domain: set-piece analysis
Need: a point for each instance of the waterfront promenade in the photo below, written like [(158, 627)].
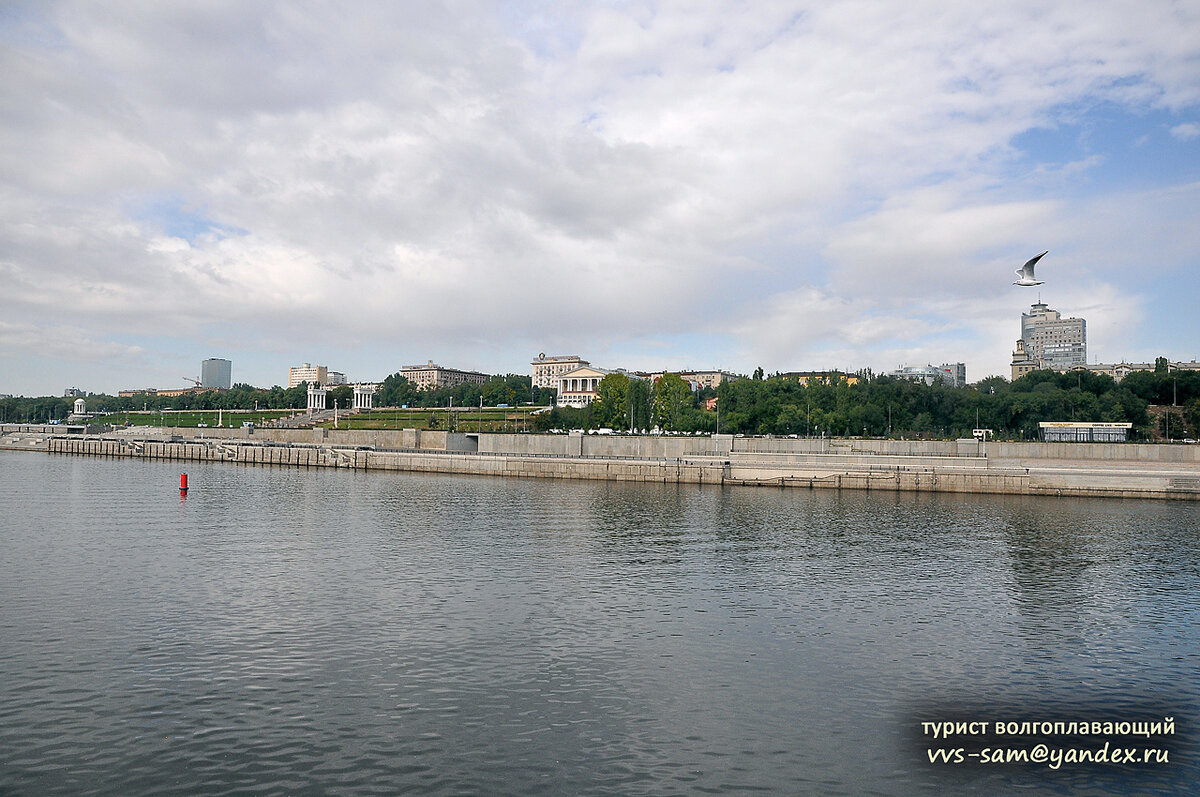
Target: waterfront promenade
[(1127, 470)]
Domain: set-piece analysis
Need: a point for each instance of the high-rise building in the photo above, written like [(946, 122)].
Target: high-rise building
[(1052, 341), (216, 374)]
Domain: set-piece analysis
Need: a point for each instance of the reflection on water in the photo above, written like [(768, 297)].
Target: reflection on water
[(291, 630)]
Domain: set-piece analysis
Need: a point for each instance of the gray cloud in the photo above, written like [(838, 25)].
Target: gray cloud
[(465, 178)]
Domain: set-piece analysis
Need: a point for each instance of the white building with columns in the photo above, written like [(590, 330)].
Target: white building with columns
[(547, 370), (579, 387), (316, 399), (364, 397)]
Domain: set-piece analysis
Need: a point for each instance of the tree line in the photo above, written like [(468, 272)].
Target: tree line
[(511, 389), (885, 406), (873, 405), (396, 391)]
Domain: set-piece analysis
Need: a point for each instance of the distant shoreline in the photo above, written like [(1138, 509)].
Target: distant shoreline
[(1117, 470)]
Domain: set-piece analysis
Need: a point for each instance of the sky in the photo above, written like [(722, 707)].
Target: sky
[(649, 185)]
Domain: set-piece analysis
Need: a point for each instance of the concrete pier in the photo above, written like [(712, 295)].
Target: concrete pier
[(963, 466)]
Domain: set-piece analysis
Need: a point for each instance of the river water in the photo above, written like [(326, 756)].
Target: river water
[(322, 631)]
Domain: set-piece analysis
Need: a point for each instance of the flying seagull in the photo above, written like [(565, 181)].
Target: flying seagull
[(1025, 273)]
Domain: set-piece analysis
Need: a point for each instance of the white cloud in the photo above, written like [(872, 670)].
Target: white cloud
[(927, 244), (64, 342), (1186, 131), (838, 180)]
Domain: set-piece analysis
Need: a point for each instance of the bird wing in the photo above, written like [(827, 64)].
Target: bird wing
[(1028, 267)]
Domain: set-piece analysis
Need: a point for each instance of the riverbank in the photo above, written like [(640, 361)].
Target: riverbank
[(961, 466)]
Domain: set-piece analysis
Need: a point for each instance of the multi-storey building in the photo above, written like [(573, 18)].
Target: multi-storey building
[(154, 391), (697, 379), (313, 374), (547, 370), (216, 374), (1022, 363), (432, 376), (820, 377), (1119, 371), (579, 387), (1053, 341), (957, 372), (952, 374)]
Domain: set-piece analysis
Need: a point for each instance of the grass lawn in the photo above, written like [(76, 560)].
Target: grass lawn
[(466, 419), (193, 418)]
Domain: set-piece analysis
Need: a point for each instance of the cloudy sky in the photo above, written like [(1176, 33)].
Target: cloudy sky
[(649, 185)]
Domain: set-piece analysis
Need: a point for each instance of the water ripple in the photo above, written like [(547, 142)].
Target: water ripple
[(286, 630)]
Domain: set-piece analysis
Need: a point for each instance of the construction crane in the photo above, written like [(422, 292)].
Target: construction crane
[(195, 382)]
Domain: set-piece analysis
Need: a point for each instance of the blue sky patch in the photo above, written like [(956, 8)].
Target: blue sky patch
[(175, 218), (1128, 150)]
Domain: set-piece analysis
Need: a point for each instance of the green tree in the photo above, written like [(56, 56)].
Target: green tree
[(672, 396), (521, 386), (498, 390), (1192, 416), (341, 396), (640, 391), (611, 407), (396, 391), (295, 398)]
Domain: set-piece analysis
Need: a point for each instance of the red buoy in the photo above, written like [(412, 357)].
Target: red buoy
[(183, 482)]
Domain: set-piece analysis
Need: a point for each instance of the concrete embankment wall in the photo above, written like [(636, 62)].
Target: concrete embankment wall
[(721, 445), (1095, 452), (210, 451), (576, 445), (897, 472), (321, 456), (662, 447), (422, 439), (49, 428)]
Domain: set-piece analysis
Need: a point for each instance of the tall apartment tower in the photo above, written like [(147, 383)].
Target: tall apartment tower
[(1052, 341), (216, 374)]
